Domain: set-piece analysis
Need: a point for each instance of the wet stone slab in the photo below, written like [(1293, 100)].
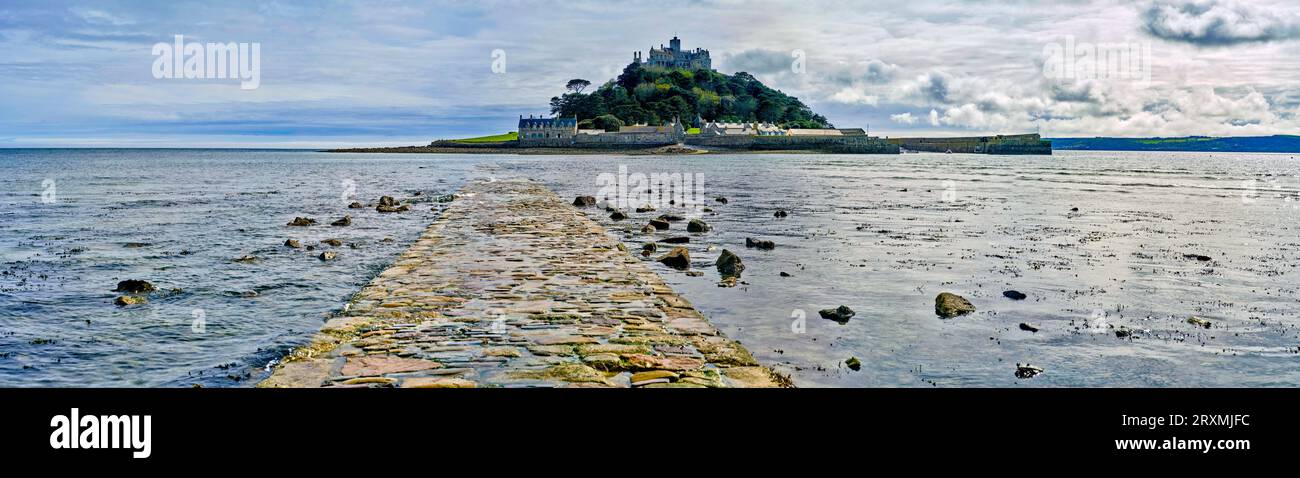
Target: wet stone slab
[(514, 287)]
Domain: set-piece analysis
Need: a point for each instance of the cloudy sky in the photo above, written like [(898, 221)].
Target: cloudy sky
[(390, 72)]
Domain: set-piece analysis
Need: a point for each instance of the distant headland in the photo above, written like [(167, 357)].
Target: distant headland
[(1235, 144), (673, 102)]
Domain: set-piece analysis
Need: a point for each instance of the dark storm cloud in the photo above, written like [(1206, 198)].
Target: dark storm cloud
[(1217, 23)]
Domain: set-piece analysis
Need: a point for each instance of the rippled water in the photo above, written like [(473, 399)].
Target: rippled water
[(179, 218), (875, 233)]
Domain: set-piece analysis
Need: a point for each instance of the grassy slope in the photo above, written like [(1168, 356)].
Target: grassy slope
[(497, 138)]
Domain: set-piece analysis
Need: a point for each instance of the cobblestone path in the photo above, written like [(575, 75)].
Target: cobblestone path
[(514, 287)]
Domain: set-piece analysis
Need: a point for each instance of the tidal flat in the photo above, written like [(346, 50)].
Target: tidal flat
[(1115, 255)]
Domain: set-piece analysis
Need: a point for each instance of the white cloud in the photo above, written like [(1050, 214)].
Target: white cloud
[(904, 118)]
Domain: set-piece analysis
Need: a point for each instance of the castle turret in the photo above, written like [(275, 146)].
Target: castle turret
[(675, 44)]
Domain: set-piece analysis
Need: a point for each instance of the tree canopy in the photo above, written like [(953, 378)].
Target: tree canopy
[(652, 95)]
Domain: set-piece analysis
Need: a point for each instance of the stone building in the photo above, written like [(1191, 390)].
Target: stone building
[(759, 129), (547, 130), (673, 56), (564, 133)]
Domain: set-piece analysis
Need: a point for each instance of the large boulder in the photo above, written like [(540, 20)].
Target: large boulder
[(729, 264), (135, 286), (949, 305), (678, 258), (840, 314), (697, 225), (760, 243)]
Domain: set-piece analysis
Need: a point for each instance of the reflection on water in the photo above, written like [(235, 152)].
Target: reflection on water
[(880, 234)]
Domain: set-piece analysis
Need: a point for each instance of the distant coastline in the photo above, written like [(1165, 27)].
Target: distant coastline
[(1230, 144)]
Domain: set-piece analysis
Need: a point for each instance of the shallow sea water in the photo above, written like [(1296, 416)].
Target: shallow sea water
[(880, 234)]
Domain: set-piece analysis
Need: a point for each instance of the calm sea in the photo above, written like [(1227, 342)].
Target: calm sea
[(880, 234)]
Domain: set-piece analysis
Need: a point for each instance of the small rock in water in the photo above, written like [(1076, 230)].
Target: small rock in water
[(1014, 295), (332, 242), (670, 217), (1027, 371), (584, 201), (949, 305), (130, 300), (728, 281), (729, 264), (659, 224), (1074, 209), (760, 244), (785, 274), (677, 240), (840, 314), (645, 208), (302, 221), (650, 247), (387, 208), (697, 225), (678, 258), (1198, 257), (854, 363), (356, 205), (780, 213), (292, 243), (1028, 327), (648, 229), (1123, 332), (245, 259), (387, 201), (720, 199), (328, 255), (343, 221), (134, 286), (617, 216), (1199, 322)]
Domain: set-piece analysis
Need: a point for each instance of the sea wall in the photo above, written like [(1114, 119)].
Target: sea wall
[(828, 144), (1000, 144)]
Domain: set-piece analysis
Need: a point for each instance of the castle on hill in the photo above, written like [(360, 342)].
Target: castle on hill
[(673, 56)]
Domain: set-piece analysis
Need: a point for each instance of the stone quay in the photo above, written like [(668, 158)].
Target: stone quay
[(513, 287)]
